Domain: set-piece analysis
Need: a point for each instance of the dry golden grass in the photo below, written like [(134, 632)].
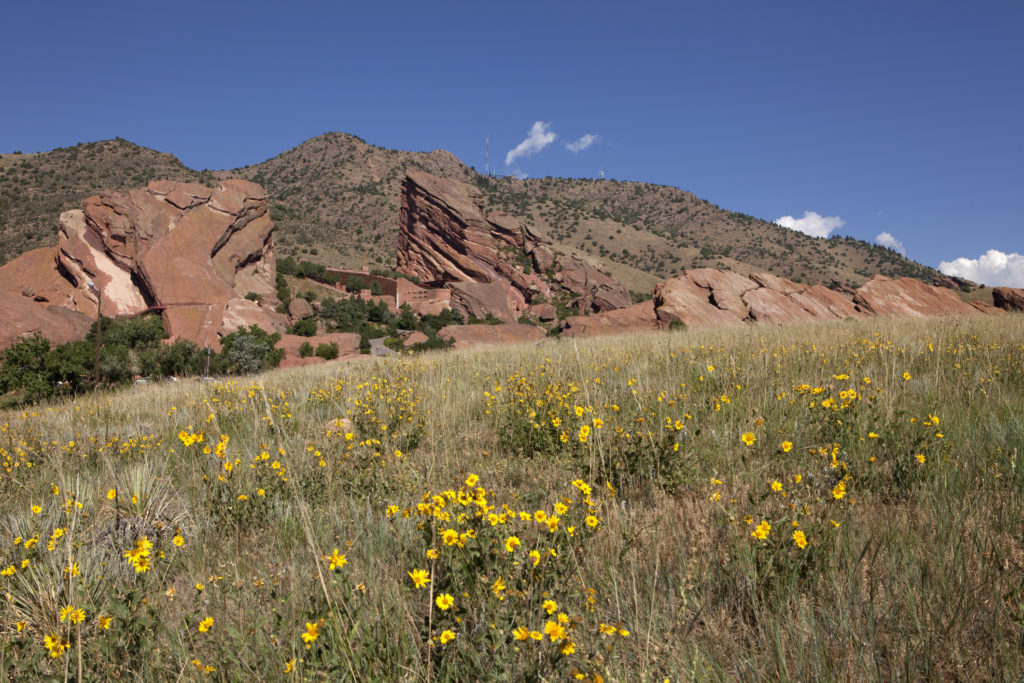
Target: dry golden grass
[(903, 476)]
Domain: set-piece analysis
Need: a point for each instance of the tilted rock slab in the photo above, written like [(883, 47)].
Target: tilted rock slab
[(906, 297), (711, 298), (445, 239)]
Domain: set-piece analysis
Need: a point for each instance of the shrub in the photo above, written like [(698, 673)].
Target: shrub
[(327, 351), (304, 328), (305, 350), (248, 351)]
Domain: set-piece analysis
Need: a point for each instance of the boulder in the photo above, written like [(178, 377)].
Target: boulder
[(1008, 299), (543, 312), (415, 337), (468, 336), (299, 309)]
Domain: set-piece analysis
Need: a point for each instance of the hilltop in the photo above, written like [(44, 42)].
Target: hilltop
[(335, 200)]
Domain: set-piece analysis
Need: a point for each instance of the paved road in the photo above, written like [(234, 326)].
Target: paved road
[(377, 348)]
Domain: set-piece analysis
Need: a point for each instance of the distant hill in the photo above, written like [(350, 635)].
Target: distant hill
[(335, 200)]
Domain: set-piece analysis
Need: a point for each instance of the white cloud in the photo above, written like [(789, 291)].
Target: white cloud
[(812, 224), (886, 239), (577, 146), (993, 268), (519, 175), (539, 137)]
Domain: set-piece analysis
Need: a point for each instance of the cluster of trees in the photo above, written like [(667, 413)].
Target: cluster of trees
[(32, 370), (314, 271)]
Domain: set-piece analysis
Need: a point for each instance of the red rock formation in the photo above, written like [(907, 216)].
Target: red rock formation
[(446, 239), (467, 336), (712, 298), (905, 297), (22, 317), (348, 343), (681, 300), (1008, 299), (636, 318), (187, 250)]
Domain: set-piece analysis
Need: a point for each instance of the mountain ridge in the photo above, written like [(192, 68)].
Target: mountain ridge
[(335, 200)]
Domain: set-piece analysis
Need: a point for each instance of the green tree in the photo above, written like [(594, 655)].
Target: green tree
[(24, 368), (248, 351)]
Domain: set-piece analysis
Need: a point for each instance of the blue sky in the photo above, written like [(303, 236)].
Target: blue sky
[(902, 118)]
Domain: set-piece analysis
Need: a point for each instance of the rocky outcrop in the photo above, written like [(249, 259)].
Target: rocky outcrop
[(478, 299), (905, 297), (467, 336), (1008, 299), (712, 298), (636, 318), (445, 239), (191, 252), (348, 343), (20, 316)]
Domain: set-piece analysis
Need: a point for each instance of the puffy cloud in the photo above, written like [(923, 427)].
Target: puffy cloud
[(886, 239), (993, 268), (577, 146), (539, 137), (812, 224)]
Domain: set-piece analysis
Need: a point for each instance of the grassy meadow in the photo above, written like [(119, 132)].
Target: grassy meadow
[(827, 502)]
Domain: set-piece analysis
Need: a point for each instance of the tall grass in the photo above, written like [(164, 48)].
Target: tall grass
[(835, 501)]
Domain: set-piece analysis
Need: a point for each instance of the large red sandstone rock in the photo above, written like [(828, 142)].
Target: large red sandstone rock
[(34, 274), (477, 299), (187, 250), (445, 238), (770, 306), (727, 289), (905, 297), (636, 318), (988, 309), (415, 337), (1008, 299), (22, 317), (467, 336), (826, 303), (681, 300)]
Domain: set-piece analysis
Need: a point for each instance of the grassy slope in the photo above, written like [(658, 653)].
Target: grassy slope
[(339, 196), (912, 569)]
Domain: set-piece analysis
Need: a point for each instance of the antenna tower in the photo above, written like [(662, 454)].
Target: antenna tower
[(487, 156)]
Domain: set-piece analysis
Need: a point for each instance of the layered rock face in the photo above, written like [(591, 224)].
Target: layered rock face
[(191, 252), (491, 263), (706, 297), (1008, 299)]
